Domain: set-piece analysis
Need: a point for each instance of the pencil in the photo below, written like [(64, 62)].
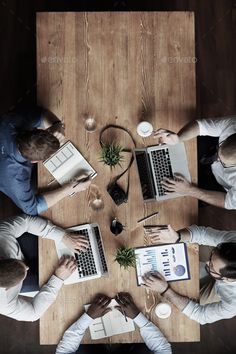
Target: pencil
[(123, 312), (147, 217)]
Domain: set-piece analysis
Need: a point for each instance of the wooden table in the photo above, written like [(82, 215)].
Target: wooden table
[(119, 68)]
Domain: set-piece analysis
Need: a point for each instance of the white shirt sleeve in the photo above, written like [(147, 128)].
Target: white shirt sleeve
[(215, 311), (31, 309), (209, 236), (230, 199), (152, 336), (18, 225), (73, 336), (214, 126)]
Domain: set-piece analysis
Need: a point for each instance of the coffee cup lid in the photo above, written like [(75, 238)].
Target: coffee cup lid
[(163, 310)]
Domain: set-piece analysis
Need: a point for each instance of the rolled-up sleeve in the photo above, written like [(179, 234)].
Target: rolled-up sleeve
[(214, 126), (209, 313), (208, 236), (230, 199), (41, 204), (24, 197)]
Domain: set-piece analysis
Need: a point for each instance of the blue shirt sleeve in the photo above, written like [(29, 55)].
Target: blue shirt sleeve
[(22, 194), (41, 204), (25, 117)]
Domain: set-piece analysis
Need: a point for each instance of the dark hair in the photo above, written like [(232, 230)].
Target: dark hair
[(227, 252), (12, 272), (37, 144), (228, 147)]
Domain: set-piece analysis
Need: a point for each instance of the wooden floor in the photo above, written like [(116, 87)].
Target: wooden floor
[(216, 56)]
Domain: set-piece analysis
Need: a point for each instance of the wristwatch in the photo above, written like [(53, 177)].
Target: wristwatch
[(179, 238), (165, 290)]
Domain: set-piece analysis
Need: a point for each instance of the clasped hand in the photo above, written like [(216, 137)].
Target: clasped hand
[(99, 306)]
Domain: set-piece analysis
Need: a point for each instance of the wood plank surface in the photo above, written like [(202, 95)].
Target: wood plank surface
[(119, 68)]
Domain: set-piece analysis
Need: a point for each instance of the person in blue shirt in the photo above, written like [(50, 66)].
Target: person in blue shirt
[(29, 135)]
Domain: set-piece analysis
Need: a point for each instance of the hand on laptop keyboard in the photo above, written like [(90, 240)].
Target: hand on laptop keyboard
[(166, 137), (77, 243), (66, 266), (177, 185)]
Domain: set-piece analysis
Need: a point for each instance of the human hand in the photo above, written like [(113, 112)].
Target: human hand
[(60, 136), (79, 184), (58, 130), (66, 266), (75, 242), (127, 304), (178, 185), (155, 281), (160, 234), (98, 307), (165, 136)]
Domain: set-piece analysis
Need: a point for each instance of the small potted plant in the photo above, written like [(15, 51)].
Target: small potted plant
[(111, 154), (125, 256)]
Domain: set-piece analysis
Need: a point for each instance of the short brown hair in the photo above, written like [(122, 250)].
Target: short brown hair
[(37, 144), (228, 147), (12, 272)]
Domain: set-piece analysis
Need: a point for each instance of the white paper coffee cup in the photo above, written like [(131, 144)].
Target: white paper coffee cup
[(163, 310), (144, 129)]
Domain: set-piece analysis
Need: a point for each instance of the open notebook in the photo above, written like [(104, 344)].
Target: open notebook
[(67, 163), (110, 324)]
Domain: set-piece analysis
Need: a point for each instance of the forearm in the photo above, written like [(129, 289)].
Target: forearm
[(210, 197), (178, 300), (189, 131), (54, 196), (48, 119)]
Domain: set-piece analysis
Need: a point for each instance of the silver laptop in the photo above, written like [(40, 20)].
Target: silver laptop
[(157, 162), (90, 264), (67, 163)]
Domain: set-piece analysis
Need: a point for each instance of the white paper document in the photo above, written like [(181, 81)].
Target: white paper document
[(169, 260), (110, 324), (67, 163)]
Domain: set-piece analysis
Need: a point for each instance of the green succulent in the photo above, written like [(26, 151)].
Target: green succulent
[(111, 154), (125, 256)]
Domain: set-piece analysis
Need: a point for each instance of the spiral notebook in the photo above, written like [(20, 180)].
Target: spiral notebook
[(110, 324), (67, 163)]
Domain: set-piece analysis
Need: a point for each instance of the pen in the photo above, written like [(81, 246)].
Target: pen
[(51, 182), (82, 180), (147, 217), (123, 312), (160, 227)]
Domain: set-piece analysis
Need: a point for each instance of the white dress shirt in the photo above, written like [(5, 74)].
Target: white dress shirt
[(226, 307), (151, 335), (226, 177), (11, 304)]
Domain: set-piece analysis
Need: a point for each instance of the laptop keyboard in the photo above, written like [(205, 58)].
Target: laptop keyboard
[(162, 167), (144, 175), (85, 260), (100, 249)]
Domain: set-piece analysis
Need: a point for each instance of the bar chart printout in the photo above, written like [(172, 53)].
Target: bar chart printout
[(169, 260)]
